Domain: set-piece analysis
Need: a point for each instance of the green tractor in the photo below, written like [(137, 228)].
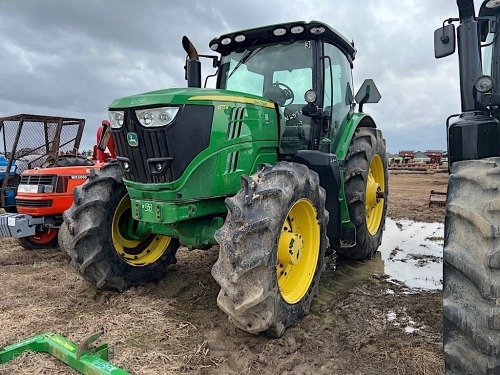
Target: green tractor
[(274, 165)]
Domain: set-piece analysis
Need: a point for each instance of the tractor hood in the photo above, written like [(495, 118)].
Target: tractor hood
[(181, 96)]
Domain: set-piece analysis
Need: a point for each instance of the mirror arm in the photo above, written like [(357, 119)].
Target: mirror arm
[(215, 60), (363, 101)]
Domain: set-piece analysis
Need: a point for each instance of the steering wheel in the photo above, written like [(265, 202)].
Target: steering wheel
[(280, 93)]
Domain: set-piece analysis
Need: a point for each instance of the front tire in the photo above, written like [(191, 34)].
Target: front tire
[(45, 239), (98, 236), (366, 188), (272, 248), (471, 280)]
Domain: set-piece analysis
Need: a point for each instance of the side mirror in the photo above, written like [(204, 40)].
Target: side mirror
[(367, 93), (311, 110), (444, 41)]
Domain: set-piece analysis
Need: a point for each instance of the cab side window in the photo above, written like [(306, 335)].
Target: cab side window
[(338, 84)]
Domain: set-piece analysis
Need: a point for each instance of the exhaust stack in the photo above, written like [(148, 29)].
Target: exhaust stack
[(193, 64)]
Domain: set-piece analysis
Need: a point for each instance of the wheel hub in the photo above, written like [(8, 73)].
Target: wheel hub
[(290, 248), (375, 194), (298, 251), (135, 250)]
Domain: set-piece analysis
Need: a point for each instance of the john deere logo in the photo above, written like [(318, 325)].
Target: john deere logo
[(132, 139)]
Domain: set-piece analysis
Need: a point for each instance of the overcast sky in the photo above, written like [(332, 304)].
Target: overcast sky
[(73, 58)]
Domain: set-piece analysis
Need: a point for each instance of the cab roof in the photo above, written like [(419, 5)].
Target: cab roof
[(280, 33)]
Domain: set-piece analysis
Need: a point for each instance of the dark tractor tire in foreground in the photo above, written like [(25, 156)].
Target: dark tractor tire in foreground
[(71, 161), (98, 239), (471, 282), (366, 189), (46, 239), (272, 247)]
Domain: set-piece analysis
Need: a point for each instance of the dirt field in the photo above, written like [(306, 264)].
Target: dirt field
[(359, 324)]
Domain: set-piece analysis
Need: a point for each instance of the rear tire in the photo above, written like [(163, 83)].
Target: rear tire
[(96, 239), (46, 239), (71, 161), (366, 187), (471, 280), (11, 209), (272, 247)]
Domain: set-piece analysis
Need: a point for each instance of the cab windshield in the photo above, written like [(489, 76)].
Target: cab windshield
[(281, 73)]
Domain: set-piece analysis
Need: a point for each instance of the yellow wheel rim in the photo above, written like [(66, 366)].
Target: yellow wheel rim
[(298, 251), (374, 197), (135, 253)]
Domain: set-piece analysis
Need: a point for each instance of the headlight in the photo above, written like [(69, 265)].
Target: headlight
[(48, 188), (116, 119), (22, 188), (484, 84), (493, 4), (310, 96), (156, 116)]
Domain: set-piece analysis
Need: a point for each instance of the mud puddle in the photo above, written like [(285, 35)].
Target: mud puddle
[(411, 254)]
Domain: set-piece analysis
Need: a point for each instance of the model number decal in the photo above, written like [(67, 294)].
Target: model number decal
[(136, 101), (79, 177)]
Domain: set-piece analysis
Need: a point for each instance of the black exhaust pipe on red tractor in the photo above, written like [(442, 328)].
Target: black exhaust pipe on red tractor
[(475, 134)]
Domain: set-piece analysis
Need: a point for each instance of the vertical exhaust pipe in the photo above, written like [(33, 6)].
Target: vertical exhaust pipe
[(193, 64), (469, 54)]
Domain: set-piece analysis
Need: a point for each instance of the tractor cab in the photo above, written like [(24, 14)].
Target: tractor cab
[(489, 84), (475, 133), (281, 73), (305, 68)]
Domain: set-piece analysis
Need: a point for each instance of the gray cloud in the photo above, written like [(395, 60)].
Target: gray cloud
[(73, 58)]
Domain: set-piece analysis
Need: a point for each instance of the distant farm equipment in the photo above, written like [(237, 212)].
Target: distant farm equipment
[(33, 141), (430, 160), (43, 194), (437, 198)]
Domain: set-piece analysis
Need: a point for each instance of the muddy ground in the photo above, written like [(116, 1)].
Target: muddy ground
[(361, 323)]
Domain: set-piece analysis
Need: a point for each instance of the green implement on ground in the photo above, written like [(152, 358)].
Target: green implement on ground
[(79, 357)]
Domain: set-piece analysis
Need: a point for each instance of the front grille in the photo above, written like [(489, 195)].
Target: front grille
[(174, 146), (33, 203), (27, 179)]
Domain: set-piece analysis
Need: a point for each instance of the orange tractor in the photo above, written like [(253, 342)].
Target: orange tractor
[(44, 194)]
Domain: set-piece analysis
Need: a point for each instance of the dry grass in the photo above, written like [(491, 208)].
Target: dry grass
[(175, 326), (47, 295)]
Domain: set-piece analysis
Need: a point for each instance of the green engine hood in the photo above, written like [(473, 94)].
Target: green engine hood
[(188, 95)]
